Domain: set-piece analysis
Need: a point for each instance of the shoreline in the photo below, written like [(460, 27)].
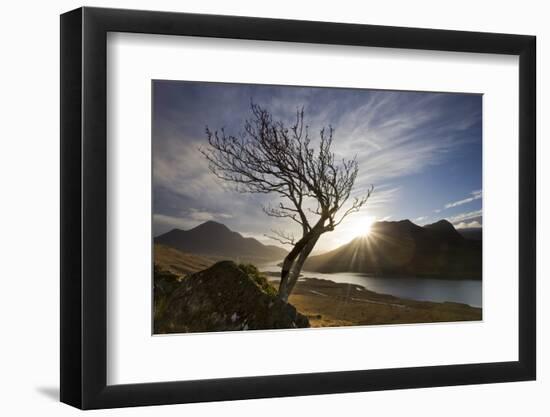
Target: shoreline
[(385, 275), (273, 276), (327, 304)]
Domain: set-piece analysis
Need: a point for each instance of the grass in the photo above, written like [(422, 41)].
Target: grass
[(253, 272), (330, 304)]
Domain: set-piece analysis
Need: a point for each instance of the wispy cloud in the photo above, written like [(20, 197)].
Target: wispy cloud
[(468, 225), (163, 223), (381, 196), (202, 216), (475, 195), (456, 219), (394, 135)]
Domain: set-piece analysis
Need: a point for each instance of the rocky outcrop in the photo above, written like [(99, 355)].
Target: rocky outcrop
[(225, 297)]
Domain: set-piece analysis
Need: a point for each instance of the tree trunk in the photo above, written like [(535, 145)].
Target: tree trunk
[(292, 267), (297, 267), (285, 271), (287, 266)]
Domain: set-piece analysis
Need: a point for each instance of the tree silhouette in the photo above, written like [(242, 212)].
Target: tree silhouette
[(269, 157)]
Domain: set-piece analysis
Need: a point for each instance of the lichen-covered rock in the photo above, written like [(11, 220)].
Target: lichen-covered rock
[(225, 297)]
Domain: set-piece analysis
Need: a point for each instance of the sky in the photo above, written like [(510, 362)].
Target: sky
[(422, 152)]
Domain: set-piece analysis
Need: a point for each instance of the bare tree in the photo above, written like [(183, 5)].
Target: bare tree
[(269, 157)]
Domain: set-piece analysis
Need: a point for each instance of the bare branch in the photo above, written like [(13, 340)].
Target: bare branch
[(282, 237), (355, 206), (283, 213), (269, 157)]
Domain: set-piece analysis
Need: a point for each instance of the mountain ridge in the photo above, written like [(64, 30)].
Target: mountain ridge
[(216, 240), (403, 248)]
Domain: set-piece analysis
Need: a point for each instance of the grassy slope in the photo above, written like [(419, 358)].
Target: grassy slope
[(179, 263), (327, 303)]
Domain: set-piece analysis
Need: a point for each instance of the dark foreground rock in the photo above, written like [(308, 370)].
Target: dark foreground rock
[(224, 297)]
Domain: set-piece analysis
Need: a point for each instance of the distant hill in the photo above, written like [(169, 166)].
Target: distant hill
[(217, 241), (472, 233), (178, 262), (403, 248)]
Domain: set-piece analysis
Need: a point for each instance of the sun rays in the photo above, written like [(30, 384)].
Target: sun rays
[(360, 227)]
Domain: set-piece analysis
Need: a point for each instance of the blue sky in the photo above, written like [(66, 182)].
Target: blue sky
[(422, 152)]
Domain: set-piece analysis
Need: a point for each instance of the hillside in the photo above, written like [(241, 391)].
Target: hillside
[(472, 233), (178, 262), (403, 248), (216, 240)]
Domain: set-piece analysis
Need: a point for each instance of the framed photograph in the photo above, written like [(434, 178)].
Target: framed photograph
[(257, 208)]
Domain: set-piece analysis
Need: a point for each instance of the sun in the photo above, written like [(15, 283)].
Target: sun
[(365, 225), (359, 227)]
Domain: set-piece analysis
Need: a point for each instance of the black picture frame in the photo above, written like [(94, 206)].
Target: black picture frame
[(84, 207)]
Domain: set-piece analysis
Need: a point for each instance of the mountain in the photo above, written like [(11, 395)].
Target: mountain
[(444, 229), (472, 233), (405, 249), (216, 240)]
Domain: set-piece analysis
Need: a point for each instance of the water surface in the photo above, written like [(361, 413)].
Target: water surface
[(466, 291)]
